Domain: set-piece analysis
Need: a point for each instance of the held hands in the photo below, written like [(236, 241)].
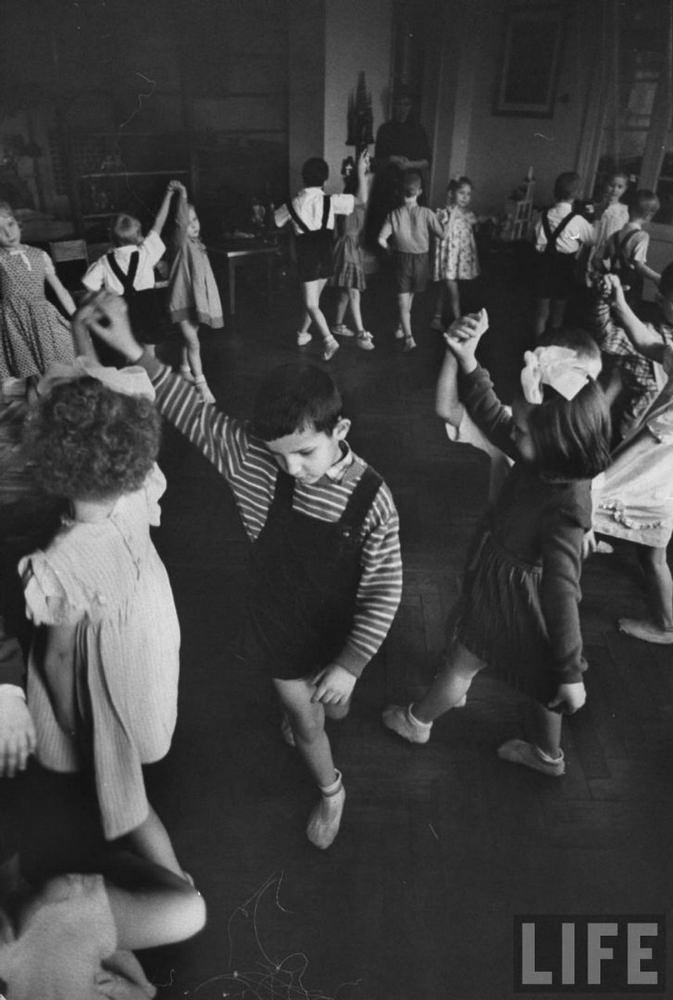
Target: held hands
[(333, 685), (568, 698), (175, 185), (610, 288), (464, 335), (106, 317), (17, 734)]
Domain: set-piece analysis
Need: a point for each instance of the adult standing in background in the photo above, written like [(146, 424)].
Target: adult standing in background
[(401, 144)]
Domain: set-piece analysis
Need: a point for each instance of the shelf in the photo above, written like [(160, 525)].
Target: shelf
[(134, 173)]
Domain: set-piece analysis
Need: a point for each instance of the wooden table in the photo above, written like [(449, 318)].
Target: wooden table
[(236, 253)]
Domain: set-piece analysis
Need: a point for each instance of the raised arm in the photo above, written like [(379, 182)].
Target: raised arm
[(448, 406), (362, 193), (162, 214), (644, 338)]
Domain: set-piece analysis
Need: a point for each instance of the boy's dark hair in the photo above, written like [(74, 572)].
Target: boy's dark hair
[(294, 398), (644, 203), (666, 282), (89, 443), (412, 183), (125, 229), (567, 186), (571, 436), (315, 172)]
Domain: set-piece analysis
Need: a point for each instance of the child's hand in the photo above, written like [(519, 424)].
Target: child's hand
[(334, 685), (612, 291), (106, 316), (364, 161), (463, 336), (175, 186), (17, 734), (568, 698)]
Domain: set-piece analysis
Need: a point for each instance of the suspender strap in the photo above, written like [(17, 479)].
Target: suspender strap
[(359, 502), (125, 280), (553, 236), (326, 203), (295, 218), (621, 244)]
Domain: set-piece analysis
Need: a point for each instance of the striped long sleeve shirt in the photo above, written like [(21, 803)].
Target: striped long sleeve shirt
[(251, 471)]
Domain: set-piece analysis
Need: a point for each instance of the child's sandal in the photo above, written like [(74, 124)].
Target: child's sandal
[(364, 340)]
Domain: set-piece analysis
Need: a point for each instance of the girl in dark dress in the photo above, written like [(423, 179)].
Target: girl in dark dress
[(519, 610)]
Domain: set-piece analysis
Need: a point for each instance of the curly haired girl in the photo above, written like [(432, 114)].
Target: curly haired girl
[(103, 672)]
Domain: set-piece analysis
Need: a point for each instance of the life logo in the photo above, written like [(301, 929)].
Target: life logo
[(590, 954)]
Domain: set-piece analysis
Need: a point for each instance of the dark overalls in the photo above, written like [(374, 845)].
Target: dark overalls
[(305, 578), (620, 264), (315, 253), (145, 313), (555, 269)]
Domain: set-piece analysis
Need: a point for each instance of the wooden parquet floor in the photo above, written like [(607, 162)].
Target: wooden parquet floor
[(441, 845)]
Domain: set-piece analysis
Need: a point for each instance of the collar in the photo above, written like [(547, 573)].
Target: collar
[(564, 204), (338, 471), (126, 248)]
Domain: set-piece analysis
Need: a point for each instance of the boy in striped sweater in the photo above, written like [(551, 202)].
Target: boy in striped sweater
[(327, 576)]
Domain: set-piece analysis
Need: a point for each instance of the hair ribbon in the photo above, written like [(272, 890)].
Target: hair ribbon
[(558, 367)]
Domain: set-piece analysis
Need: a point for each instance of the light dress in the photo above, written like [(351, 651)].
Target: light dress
[(455, 256), (107, 579), (633, 498), (67, 947)]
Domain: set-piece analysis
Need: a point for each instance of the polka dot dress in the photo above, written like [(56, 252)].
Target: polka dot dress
[(33, 332)]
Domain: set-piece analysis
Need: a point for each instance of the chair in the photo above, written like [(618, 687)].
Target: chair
[(71, 259)]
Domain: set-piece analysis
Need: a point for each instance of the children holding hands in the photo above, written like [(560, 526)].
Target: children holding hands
[(518, 612), (324, 531)]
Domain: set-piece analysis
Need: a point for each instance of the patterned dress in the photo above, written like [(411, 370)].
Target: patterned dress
[(455, 256), (33, 333), (348, 267), (106, 579)]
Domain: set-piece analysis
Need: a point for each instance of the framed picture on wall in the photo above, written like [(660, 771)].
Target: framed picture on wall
[(531, 56)]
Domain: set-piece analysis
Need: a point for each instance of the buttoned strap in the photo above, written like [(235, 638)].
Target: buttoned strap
[(125, 280)]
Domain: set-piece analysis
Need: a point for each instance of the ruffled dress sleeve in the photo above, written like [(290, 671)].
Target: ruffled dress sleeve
[(50, 600), (154, 488)]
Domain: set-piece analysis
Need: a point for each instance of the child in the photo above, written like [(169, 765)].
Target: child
[(33, 333), (633, 499), (193, 296), (128, 270), (410, 227), (102, 676), (455, 257), (519, 608), (636, 378), (72, 936), (349, 276), (312, 214), (625, 253), (327, 573), (559, 234)]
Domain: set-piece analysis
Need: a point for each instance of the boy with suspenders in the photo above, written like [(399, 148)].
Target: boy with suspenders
[(559, 234), (312, 213)]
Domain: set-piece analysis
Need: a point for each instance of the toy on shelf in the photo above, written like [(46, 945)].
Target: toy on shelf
[(519, 210)]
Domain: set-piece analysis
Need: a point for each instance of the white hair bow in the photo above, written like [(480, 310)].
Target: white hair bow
[(131, 381), (558, 367)]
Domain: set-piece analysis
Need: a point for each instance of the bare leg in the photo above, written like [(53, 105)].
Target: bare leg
[(448, 690), (660, 590), (438, 318), (342, 306), (544, 729), (450, 686), (541, 316), (312, 292), (308, 724), (454, 297), (354, 301), (151, 841)]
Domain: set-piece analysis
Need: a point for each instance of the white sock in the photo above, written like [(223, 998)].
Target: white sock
[(417, 722), (546, 757), (329, 790)]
